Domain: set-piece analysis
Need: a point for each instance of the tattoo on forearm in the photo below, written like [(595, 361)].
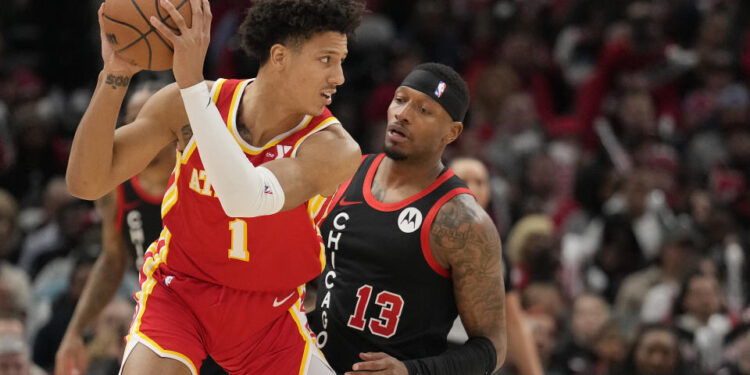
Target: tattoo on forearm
[(117, 81)]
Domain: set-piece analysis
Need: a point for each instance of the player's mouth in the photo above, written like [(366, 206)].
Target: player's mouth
[(396, 133), (328, 96)]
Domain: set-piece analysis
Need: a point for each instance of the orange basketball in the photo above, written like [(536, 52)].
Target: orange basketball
[(127, 27)]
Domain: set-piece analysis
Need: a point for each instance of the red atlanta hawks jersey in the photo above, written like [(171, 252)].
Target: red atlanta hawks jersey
[(267, 253)]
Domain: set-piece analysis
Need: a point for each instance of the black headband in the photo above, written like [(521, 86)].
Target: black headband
[(432, 86)]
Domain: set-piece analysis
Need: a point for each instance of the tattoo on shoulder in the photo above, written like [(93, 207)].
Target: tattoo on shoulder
[(453, 224), (187, 132), (117, 80)]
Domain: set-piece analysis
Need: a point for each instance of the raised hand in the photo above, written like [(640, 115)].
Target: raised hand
[(112, 61), (191, 45)]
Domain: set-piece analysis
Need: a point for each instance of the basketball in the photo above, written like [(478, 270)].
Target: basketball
[(127, 27)]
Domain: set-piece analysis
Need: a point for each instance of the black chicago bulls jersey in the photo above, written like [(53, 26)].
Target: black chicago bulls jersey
[(381, 289), (138, 218)]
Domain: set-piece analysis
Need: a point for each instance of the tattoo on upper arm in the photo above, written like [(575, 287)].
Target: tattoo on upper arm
[(117, 80), (466, 239)]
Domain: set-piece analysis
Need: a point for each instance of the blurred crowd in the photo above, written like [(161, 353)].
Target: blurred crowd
[(616, 134)]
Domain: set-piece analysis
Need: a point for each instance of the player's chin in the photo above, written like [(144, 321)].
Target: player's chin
[(394, 152)]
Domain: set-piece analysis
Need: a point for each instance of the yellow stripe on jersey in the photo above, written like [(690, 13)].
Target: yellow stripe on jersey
[(323, 124), (314, 205), (170, 196), (189, 149), (217, 88)]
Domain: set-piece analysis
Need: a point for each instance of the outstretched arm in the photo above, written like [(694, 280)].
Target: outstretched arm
[(100, 287)]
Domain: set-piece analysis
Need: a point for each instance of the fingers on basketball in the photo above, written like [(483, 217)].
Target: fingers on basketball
[(126, 26)]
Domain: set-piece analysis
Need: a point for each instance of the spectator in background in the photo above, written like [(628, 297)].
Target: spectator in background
[(544, 329), (618, 256), (660, 282), (14, 350), (737, 352), (532, 252), (655, 351), (38, 155), (577, 355), (107, 345), (609, 347), (10, 235), (700, 316), (522, 354), (50, 335), (66, 219), (545, 296)]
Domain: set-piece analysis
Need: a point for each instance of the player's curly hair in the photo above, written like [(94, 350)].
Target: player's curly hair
[(269, 22)]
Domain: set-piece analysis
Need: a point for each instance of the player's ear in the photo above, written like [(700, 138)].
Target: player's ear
[(278, 56), (454, 130)]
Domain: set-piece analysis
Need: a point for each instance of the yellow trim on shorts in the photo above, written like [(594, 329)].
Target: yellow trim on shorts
[(151, 265), (308, 342)]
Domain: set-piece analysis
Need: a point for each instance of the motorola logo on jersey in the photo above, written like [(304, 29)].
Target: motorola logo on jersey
[(409, 220)]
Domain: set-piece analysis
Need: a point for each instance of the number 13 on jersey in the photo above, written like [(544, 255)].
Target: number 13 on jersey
[(390, 312)]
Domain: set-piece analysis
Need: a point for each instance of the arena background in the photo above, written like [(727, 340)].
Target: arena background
[(616, 133)]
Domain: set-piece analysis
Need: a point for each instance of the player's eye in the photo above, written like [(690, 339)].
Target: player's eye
[(398, 100), (325, 59)]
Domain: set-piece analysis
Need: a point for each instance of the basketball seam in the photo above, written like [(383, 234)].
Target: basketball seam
[(138, 8), (164, 19), (142, 37)]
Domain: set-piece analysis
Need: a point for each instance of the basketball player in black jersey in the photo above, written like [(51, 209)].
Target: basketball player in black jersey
[(408, 248), (131, 220)]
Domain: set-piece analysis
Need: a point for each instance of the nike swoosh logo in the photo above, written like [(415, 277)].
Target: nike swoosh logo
[(277, 303), (209, 102), (344, 202)]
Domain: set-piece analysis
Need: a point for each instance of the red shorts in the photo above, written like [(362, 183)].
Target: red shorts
[(185, 319)]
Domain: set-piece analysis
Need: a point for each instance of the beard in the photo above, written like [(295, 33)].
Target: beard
[(393, 154)]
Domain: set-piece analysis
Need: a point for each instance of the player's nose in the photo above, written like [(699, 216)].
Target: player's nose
[(337, 78)]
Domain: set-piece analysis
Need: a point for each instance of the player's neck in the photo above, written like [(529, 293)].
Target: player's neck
[(416, 173), (264, 112)]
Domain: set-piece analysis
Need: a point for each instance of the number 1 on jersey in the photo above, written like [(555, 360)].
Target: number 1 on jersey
[(238, 229)]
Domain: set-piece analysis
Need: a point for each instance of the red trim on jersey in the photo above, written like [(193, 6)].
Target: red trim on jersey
[(143, 194), (120, 207), (374, 203), (425, 234), (334, 200)]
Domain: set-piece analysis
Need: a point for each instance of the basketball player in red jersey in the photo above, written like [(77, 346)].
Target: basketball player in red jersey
[(225, 277), (131, 220), (409, 249)]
